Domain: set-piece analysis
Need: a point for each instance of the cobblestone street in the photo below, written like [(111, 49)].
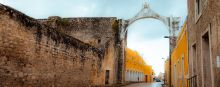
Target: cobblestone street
[(153, 84)]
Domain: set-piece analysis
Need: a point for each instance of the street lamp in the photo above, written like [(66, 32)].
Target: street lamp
[(166, 36)]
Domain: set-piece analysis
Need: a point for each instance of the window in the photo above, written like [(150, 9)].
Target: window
[(194, 60), (182, 71), (178, 74), (206, 60), (99, 41), (198, 6), (194, 65), (198, 10), (107, 72), (175, 76)]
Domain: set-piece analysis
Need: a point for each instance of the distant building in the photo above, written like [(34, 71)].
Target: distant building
[(161, 76), (136, 69)]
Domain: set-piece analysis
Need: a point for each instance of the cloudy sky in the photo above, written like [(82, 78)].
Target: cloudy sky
[(144, 36)]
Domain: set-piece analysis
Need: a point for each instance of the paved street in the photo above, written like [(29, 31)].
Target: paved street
[(154, 84)]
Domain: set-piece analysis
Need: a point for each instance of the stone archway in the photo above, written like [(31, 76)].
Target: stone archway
[(146, 12), (172, 24)]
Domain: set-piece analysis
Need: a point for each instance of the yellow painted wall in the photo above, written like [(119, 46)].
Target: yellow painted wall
[(135, 62), (179, 52)]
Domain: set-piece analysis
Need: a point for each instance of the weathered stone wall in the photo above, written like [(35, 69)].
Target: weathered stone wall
[(197, 26), (99, 32), (95, 31), (38, 54)]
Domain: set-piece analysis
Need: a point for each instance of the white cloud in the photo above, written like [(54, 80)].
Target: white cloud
[(4, 2)]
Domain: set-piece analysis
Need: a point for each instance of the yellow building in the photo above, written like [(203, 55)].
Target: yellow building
[(179, 61), (136, 68)]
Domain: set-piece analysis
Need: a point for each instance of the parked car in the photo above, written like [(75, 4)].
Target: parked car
[(157, 80)]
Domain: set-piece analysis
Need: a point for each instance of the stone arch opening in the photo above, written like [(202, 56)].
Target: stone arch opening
[(147, 22), (139, 36), (146, 12)]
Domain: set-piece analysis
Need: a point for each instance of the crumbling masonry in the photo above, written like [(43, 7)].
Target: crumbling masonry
[(60, 52)]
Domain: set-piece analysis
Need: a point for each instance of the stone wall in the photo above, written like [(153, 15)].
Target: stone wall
[(198, 25), (99, 32), (95, 31), (70, 52)]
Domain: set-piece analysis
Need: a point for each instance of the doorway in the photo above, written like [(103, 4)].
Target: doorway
[(146, 77), (107, 76), (206, 60)]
